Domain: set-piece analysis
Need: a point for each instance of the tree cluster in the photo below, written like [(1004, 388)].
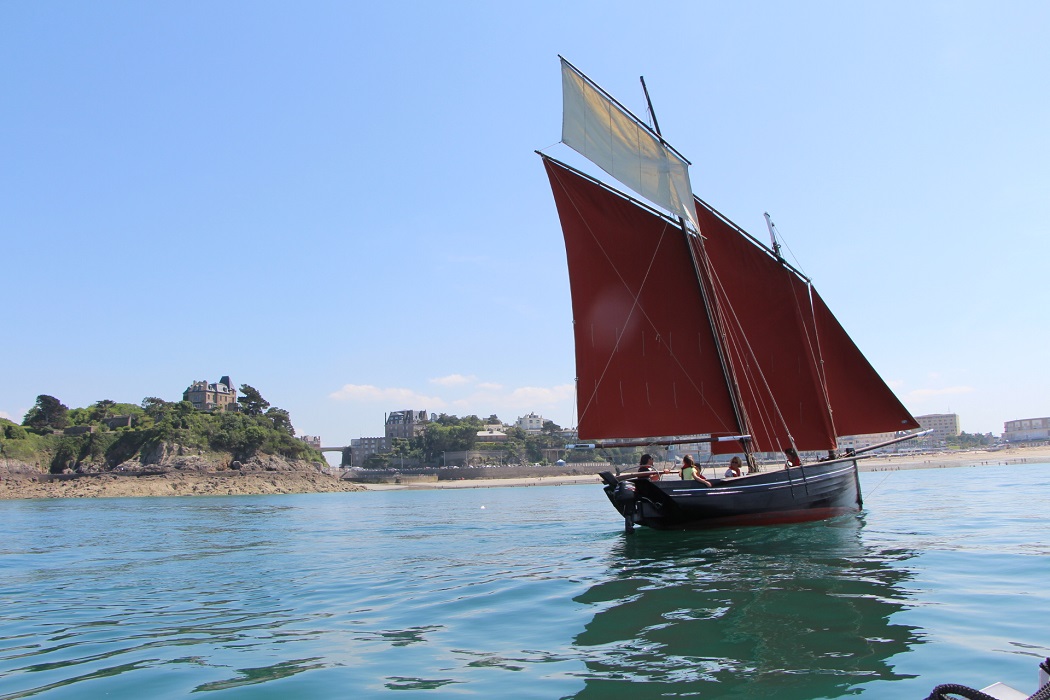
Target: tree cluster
[(969, 441), (446, 433)]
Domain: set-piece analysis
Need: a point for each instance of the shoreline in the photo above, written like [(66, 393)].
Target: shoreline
[(17, 487), (969, 458)]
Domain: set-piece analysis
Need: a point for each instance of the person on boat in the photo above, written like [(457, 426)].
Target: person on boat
[(734, 468), (691, 472), (646, 465)]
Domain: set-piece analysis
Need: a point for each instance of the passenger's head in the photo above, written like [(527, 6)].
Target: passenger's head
[(646, 459)]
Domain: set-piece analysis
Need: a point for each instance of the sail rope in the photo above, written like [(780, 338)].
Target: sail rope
[(635, 305), (751, 373), (814, 352), (868, 493), (592, 396)]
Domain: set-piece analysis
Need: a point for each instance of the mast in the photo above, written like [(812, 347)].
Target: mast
[(696, 241), (773, 236)]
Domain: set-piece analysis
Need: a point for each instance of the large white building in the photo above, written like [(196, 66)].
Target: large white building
[(944, 425), (1026, 429), (530, 423)]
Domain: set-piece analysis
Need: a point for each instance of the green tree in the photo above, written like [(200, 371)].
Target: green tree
[(101, 410), (48, 412), (251, 401), (281, 420), (155, 408), (400, 447)]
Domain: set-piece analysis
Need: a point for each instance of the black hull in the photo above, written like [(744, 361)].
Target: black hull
[(812, 492)]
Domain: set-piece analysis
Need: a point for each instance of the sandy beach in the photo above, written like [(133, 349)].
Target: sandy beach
[(970, 458), (234, 484)]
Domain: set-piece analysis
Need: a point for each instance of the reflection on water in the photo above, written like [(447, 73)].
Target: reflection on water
[(794, 612)]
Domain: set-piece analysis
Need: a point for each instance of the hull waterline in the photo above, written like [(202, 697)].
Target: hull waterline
[(812, 492)]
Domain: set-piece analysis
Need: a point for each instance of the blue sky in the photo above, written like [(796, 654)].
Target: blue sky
[(339, 203)]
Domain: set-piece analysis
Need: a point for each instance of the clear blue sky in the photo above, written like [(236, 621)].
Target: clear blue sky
[(339, 204)]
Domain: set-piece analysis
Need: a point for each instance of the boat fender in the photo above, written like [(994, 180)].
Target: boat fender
[(625, 492)]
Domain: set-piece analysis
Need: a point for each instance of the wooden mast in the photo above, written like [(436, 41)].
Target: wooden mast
[(696, 241)]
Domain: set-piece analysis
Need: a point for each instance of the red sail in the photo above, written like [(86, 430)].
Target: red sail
[(861, 402), (770, 344), (645, 356)]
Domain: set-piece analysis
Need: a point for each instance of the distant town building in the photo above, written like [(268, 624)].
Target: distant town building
[(220, 396), (530, 423), (1026, 429), (491, 435), (857, 442), (313, 441), (363, 448), (944, 425), (405, 424)]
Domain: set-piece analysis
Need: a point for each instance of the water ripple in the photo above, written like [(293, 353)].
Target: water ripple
[(538, 594)]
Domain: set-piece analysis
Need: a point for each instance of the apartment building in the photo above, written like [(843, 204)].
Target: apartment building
[(405, 424), (944, 425), (363, 448), (1026, 429)]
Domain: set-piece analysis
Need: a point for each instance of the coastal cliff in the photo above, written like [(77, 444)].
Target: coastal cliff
[(168, 469), (164, 449)]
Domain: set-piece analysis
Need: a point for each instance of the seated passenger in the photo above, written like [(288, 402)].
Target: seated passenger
[(734, 468), (646, 465), (690, 472)]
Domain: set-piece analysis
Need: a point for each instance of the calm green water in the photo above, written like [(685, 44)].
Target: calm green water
[(524, 593)]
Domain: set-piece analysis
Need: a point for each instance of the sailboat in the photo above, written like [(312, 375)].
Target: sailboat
[(689, 330)]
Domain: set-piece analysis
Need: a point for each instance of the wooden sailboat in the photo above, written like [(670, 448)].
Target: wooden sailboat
[(688, 329)]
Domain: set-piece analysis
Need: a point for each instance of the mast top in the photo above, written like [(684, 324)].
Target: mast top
[(773, 236)]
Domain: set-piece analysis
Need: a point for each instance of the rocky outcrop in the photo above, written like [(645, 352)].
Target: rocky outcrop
[(172, 470)]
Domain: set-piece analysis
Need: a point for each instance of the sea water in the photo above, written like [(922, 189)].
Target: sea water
[(526, 592)]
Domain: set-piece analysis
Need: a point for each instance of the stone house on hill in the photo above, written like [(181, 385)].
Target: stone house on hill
[(220, 396)]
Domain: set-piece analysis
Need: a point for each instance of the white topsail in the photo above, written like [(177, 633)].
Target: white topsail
[(614, 140)]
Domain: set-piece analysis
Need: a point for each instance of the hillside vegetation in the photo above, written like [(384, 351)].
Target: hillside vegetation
[(110, 436)]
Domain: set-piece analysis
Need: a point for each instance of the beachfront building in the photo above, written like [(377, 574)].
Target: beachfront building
[(405, 424), (1026, 429), (363, 448), (220, 396), (944, 426), (857, 442), (530, 423)]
